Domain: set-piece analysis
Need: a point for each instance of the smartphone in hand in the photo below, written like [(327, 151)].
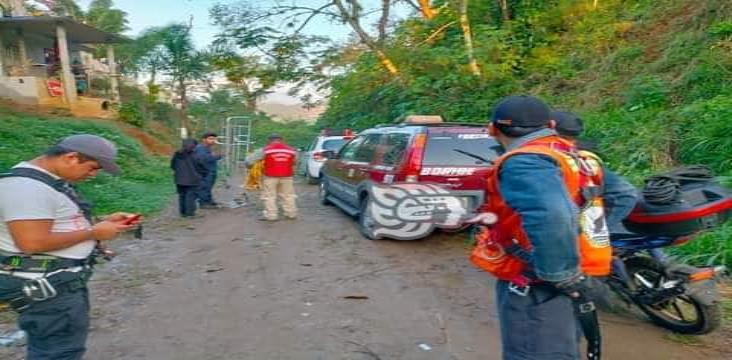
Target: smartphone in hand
[(132, 219)]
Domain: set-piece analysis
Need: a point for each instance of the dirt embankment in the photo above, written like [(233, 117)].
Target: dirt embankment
[(155, 140)]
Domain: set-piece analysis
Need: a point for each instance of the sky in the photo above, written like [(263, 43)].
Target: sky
[(142, 14)]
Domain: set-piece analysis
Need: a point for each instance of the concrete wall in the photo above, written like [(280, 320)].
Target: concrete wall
[(21, 89)]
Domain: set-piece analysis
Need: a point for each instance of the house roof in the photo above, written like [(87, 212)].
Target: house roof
[(76, 32)]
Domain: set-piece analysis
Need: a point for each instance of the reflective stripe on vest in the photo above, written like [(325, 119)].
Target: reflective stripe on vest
[(581, 171), (279, 160)]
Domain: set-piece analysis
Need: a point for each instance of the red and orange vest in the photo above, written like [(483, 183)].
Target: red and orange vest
[(499, 247), (279, 160)]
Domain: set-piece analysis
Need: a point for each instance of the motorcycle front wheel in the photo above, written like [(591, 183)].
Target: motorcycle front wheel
[(684, 314)]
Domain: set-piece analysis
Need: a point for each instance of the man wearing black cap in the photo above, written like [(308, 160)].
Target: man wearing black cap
[(619, 195), (279, 162), (46, 243), (540, 249), (209, 161)]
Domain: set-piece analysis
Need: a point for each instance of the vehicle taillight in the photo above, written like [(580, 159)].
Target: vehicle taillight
[(318, 156), (414, 159), (706, 273)]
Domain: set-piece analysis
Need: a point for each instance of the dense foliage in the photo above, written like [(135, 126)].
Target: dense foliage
[(651, 78), (210, 114)]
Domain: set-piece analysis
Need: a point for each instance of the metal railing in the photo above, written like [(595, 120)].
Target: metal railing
[(237, 137)]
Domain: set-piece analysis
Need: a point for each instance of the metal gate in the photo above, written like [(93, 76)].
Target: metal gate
[(236, 140)]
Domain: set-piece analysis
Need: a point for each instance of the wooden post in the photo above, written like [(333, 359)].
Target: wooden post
[(2, 55), (66, 76), (23, 53), (113, 82)]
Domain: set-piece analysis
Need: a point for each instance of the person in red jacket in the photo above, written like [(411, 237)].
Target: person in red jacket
[(279, 163)]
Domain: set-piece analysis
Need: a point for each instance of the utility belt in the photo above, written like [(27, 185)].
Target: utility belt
[(60, 275), (584, 309), (12, 262)]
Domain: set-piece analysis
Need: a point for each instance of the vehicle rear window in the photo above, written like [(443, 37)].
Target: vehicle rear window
[(395, 147), (334, 144), (460, 149)]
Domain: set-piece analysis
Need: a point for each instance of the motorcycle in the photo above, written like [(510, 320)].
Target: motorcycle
[(676, 296), (674, 209)]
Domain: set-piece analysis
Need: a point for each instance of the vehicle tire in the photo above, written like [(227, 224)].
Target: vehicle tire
[(673, 313), (365, 221), (323, 193)]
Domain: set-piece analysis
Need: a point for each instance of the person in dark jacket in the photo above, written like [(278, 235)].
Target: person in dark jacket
[(187, 172), (619, 195), (209, 160), (530, 193)]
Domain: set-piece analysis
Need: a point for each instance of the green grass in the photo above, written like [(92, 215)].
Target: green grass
[(711, 248), (688, 340), (144, 187), (659, 96), (727, 310)]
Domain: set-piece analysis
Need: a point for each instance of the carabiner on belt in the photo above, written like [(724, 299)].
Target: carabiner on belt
[(519, 290), (39, 289)]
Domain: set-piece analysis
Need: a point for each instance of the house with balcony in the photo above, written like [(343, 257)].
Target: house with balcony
[(48, 61)]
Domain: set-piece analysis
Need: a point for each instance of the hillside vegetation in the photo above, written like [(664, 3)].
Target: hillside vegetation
[(210, 115), (144, 187), (652, 79)]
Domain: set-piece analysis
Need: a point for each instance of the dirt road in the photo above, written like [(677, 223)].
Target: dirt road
[(227, 286)]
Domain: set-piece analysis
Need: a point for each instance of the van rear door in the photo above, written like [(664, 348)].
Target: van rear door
[(389, 158), (458, 157)]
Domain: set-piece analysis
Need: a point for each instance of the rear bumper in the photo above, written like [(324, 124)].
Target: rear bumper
[(476, 198), (313, 168)]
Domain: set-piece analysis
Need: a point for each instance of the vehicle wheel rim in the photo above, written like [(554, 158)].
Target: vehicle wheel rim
[(321, 191), (679, 309)]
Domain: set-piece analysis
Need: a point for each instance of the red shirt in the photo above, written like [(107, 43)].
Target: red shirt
[(279, 160)]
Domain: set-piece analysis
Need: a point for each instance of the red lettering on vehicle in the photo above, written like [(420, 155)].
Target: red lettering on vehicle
[(447, 171)]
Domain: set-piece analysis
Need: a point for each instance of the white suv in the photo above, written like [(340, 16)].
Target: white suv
[(313, 158)]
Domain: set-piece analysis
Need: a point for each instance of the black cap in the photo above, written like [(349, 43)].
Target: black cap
[(208, 134), (275, 136), (568, 124), (521, 111)]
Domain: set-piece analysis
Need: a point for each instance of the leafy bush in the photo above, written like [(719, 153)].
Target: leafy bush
[(131, 113), (144, 185), (721, 29), (139, 108), (162, 112), (646, 91), (297, 134)]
